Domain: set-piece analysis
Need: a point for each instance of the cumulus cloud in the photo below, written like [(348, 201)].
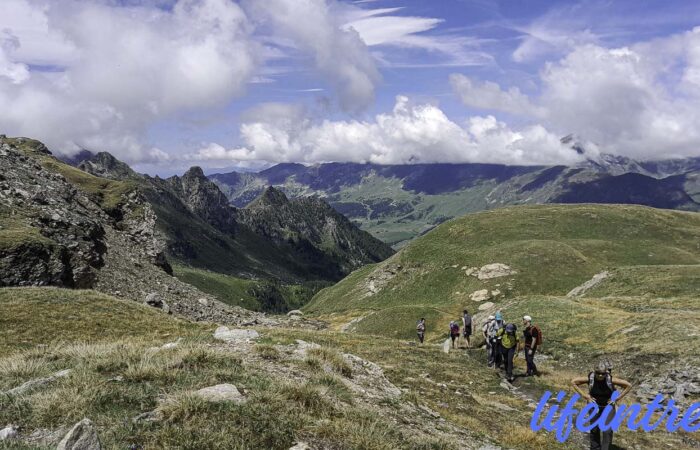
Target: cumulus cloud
[(641, 101), (106, 92), (339, 53), (489, 95), (411, 133)]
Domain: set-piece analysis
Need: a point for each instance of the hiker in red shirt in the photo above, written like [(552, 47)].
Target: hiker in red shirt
[(533, 339)]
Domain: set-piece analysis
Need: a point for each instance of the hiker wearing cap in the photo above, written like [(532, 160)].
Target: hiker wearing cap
[(420, 329), (533, 339), (490, 338), (509, 344), (601, 386), (467, 327)]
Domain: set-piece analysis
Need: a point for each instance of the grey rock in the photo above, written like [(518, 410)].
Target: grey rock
[(300, 446), (580, 290), (31, 384), (236, 335), (9, 432), (221, 393), (494, 270), (83, 436), (295, 312), (480, 295)]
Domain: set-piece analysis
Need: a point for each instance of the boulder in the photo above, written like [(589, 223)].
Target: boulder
[(480, 296), (236, 335), (494, 270), (204, 301), (485, 306), (295, 312), (83, 436), (9, 432), (221, 393), (156, 301), (300, 446)]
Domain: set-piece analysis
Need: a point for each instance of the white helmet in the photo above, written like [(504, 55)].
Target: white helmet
[(527, 318)]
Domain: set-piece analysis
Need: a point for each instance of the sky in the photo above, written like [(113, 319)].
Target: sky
[(223, 84)]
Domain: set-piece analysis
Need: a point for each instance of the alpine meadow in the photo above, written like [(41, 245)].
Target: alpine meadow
[(349, 224)]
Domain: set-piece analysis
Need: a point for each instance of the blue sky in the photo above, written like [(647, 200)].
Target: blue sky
[(165, 84)]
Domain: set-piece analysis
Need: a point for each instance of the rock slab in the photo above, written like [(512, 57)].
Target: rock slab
[(83, 436), (221, 393), (236, 335)]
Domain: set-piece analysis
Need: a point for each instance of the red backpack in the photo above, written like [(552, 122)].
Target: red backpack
[(540, 338)]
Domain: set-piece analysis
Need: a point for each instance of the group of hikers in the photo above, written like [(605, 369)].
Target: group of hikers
[(502, 340), (503, 344)]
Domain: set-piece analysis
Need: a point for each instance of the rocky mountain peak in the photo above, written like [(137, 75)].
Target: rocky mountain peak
[(271, 196), (194, 172), (203, 197), (105, 165)]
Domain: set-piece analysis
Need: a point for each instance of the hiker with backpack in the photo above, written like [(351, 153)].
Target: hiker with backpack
[(533, 339), (420, 329), (467, 327), (601, 386), (454, 332), (509, 343), (490, 337), (498, 349)]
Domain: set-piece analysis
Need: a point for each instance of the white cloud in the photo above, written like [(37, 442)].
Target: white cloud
[(314, 28), (409, 134), (631, 101), (116, 83), (377, 27), (489, 95), (641, 101)]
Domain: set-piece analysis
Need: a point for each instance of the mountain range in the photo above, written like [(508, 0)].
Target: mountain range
[(399, 202), (100, 217)]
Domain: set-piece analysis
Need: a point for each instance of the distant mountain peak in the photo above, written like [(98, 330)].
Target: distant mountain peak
[(104, 164), (271, 196), (194, 172)]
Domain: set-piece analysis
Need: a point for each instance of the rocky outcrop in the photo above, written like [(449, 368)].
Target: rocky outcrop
[(38, 382), (590, 284), (60, 226), (227, 335), (205, 199), (310, 228), (105, 165), (494, 270), (83, 436)]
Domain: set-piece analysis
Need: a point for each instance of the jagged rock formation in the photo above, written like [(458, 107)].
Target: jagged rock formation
[(204, 199), (60, 226), (320, 235), (273, 237), (105, 165)]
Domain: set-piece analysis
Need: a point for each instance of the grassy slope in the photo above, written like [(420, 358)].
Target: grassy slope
[(231, 290), (49, 315), (645, 316), (278, 411), (554, 248)]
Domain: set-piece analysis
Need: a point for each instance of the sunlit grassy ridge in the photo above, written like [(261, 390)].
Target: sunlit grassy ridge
[(33, 316), (553, 248)]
